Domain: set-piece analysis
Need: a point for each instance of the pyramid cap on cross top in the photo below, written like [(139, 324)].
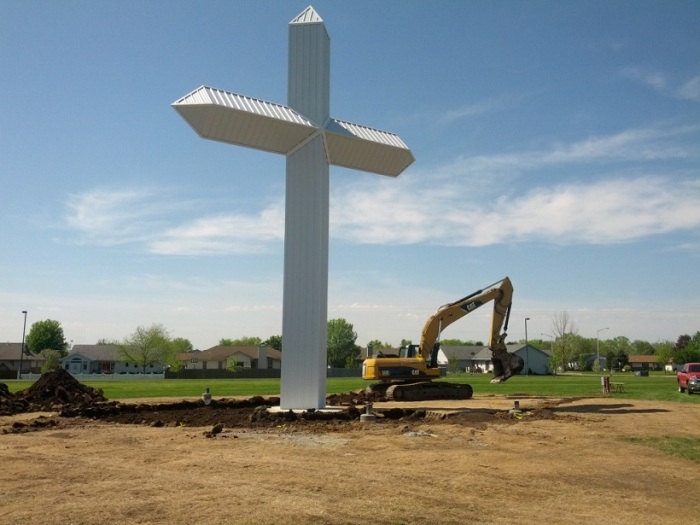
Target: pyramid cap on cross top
[(307, 16)]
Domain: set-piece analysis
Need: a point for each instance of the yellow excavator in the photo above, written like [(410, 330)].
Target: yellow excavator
[(410, 375)]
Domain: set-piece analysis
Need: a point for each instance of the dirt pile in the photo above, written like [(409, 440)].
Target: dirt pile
[(57, 389), (9, 403), (357, 397)]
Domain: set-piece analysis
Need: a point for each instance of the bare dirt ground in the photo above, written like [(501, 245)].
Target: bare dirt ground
[(560, 461)]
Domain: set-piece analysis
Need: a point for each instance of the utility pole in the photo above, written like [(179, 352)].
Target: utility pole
[(21, 353), (527, 348), (597, 346)]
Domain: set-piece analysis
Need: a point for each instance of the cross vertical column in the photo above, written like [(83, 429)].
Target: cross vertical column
[(305, 301), (311, 141)]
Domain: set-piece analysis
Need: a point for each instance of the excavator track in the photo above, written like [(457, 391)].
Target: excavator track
[(426, 391)]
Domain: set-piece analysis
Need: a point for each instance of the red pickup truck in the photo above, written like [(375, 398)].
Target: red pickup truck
[(689, 378)]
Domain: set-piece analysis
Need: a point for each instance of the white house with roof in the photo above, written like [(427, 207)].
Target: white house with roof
[(221, 357), (103, 359), (471, 358)]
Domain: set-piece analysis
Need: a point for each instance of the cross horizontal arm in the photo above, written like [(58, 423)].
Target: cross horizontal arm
[(236, 119), (367, 149)]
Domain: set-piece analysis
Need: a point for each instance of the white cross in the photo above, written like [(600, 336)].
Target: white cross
[(311, 140)]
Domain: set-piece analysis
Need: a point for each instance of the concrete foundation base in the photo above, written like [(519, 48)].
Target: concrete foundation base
[(328, 409)]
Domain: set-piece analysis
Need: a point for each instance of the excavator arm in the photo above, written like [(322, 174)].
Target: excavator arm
[(505, 364)]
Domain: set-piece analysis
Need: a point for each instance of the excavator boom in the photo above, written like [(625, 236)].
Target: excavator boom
[(505, 364)]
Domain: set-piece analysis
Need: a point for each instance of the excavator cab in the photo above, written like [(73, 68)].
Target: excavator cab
[(408, 351)]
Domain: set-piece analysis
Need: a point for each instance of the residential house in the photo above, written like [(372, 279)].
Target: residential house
[(11, 358), (221, 358), (465, 358), (644, 362), (471, 358), (103, 359)]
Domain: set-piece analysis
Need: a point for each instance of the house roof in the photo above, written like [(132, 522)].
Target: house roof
[(95, 352), (642, 359), (11, 352), (222, 353), (468, 352), (482, 353)]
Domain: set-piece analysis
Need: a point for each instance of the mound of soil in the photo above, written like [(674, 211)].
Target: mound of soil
[(10, 404), (57, 389)]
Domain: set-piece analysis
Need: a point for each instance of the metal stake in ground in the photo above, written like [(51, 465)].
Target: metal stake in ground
[(311, 141)]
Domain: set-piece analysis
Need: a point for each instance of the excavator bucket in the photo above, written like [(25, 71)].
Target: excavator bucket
[(505, 365)]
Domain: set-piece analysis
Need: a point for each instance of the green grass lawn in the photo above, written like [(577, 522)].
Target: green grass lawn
[(688, 448), (656, 387)]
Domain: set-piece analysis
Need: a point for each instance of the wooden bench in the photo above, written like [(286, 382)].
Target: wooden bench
[(617, 387)]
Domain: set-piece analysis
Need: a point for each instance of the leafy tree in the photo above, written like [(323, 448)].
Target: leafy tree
[(105, 341), (52, 360), (459, 342), (452, 364), (274, 341), (564, 346), (690, 353), (664, 352), (452, 342), (376, 344), (585, 347), (621, 360), (232, 365), (341, 342), (619, 344), (146, 346), (611, 361), (351, 361), (405, 342), (46, 335), (243, 341), (180, 345), (682, 341), (172, 359), (640, 347)]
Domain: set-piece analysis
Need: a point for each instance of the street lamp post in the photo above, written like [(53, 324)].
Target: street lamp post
[(527, 348), (21, 353), (597, 346)]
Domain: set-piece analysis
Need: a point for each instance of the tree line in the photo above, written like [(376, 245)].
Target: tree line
[(153, 344), (569, 350)]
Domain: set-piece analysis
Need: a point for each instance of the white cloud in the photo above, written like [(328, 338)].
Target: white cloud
[(223, 234), (110, 217), (652, 79), (485, 106), (691, 89), (471, 201), (145, 216), (606, 211)]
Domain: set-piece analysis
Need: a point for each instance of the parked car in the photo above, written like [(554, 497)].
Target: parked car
[(689, 378)]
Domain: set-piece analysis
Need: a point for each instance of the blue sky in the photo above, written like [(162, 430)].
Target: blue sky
[(557, 143)]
